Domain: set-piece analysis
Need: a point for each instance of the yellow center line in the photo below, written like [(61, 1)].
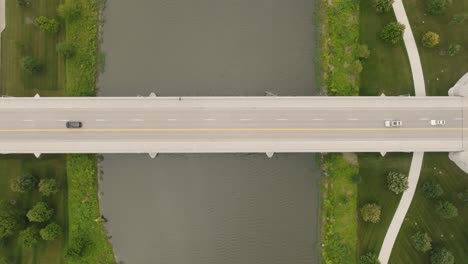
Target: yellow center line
[(230, 129)]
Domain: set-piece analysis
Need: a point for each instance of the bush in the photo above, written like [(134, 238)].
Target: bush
[(397, 182), (446, 210), (363, 52), (383, 6), (51, 232), (442, 256), (459, 19), (4, 260), (421, 241), (40, 212), (24, 3), (30, 65), (369, 258), (392, 33), (436, 7), (432, 189), (66, 49), (70, 10), (77, 247), (463, 196), (9, 220), (430, 39), (46, 24), (371, 213), (48, 187), (355, 67), (23, 183), (453, 49), (29, 237)]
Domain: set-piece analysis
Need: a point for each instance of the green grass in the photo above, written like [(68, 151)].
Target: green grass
[(20, 29), (338, 212), (450, 233), (83, 209), (373, 169), (48, 166), (387, 70)]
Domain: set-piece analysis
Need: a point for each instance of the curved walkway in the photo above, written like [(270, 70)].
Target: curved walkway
[(416, 162)]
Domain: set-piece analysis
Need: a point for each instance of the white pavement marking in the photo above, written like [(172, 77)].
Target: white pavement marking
[(209, 119), (282, 119), (458, 118), (353, 119), (317, 119), (62, 120), (137, 120), (403, 206), (424, 118), (100, 120), (171, 119), (245, 119), (27, 120)]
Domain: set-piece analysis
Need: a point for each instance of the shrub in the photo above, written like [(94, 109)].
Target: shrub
[(29, 237), (51, 232), (383, 6), (70, 10), (66, 49), (463, 195), (459, 19), (369, 258), (77, 247), (30, 65), (46, 24), (48, 187), (432, 189), (9, 220), (23, 183), (371, 213), (453, 49), (442, 256), (4, 260), (24, 3), (430, 39), (392, 33), (355, 67), (446, 210), (397, 182), (40, 212), (363, 52), (436, 7), (421, 241)]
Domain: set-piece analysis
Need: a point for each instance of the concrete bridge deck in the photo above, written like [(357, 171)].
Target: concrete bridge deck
[(229, 124)]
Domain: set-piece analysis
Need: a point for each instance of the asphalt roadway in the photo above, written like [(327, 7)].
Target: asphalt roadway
[(229, 124)]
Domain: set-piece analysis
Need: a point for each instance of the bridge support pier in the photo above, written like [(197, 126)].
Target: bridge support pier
[(270, 154), (461, 89), (153, 154), (37, 154)]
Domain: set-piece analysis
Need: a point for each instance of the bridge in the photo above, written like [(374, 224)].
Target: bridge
[(268, 124)]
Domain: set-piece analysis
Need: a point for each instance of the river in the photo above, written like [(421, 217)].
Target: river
[(210, 208)]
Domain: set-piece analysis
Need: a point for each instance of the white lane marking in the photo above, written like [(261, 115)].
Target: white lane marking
[(424, 118), (137, 120), (317, 119), (209, 119), (62, 120), (458, 118), (281, 119), (353, 119), (100, 120), (171, 119), (245, 119), (27, 120)]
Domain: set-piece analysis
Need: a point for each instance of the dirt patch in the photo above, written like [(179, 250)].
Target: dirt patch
[(351, 158)]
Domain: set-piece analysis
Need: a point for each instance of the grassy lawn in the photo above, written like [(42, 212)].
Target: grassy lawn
[(373, 169), (387, 70), (21, 38), (48, 166), (450, 233), (338, 213)]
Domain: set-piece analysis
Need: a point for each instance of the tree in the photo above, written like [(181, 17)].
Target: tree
[(77, 247), (51, 232), (369, 258), (30, 65), (4, 260), (397, 182), (355, 67), (46, 24), (29, 237), (23, 183), (421, 241), (446, 210), (392, 33), (371, 213), (9, 220), (383, 6), (436, 7), (363, 52), (24, 3), (48, 187), (442, 256), (430, 39), (67, 49), (453, 49), (40, 212), (70, 10), (432, 189)]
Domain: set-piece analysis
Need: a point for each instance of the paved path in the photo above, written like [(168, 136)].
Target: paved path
[(229, 124), (416, 163), (403, 206), (2, 15)]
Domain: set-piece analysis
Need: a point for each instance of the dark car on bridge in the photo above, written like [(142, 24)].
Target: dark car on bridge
[(74, 124)]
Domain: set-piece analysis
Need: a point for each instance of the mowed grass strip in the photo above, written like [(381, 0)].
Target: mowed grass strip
[(21, 38)]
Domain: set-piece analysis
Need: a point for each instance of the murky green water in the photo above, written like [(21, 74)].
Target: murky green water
[(211, 208)]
